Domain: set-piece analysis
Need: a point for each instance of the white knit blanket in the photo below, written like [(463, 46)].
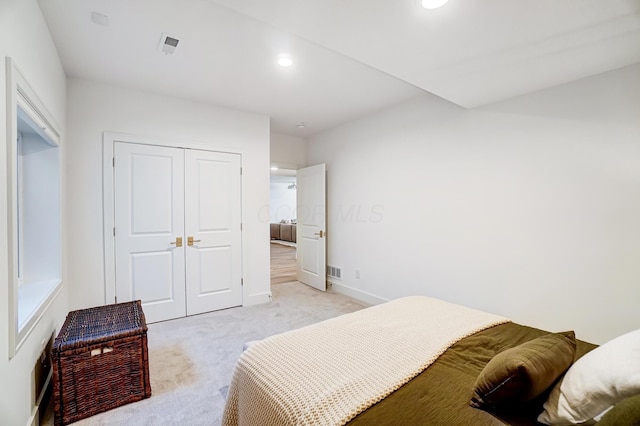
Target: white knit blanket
[(329, 372)]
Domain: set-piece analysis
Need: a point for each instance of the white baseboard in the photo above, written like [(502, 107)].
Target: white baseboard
[(256, 299), (363, 296)]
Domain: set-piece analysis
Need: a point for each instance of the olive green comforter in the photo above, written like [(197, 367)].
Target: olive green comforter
[(440, 395)]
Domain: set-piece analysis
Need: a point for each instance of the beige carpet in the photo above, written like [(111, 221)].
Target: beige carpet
[(191, 359)]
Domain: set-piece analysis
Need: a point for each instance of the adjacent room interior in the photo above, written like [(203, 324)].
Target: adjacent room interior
[(282, 222)]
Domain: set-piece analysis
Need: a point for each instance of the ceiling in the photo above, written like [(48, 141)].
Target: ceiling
[(351, 57)]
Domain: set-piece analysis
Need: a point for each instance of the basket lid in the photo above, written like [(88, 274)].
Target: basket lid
[(100, 324)]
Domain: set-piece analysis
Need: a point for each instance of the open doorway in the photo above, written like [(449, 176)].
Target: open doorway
[(283, 224), (298, 215)]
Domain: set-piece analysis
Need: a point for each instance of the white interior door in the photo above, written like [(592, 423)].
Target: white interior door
[(149, 218), (212, 211), (311, 229)]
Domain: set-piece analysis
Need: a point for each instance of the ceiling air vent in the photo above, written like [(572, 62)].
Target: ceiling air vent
[(168, 44)]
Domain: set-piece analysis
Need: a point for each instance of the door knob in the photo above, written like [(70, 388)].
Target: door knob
[(190, 241), (178, 242), (320, 234)]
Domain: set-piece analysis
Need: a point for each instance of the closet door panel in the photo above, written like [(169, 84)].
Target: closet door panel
[(212, 209), (149, 219)]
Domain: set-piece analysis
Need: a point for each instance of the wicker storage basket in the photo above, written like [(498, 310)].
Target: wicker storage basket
[(100, 361)]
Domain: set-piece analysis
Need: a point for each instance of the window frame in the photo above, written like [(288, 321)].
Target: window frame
[(20, 95)]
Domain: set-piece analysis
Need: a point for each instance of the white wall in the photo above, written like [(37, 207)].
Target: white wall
[(529, 208), (288, 152), (93, 109), (283, 199), (25, 37)]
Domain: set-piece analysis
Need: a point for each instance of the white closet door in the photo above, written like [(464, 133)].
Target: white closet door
[(212, 206), (149, 218)]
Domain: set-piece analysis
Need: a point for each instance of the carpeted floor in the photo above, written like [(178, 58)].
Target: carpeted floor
[(191, 359)]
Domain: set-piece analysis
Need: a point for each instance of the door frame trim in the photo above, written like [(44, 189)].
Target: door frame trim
[(108, 206)]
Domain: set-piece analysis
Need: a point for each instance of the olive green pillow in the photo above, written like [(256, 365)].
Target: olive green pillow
[(626, 412), (522, 373)]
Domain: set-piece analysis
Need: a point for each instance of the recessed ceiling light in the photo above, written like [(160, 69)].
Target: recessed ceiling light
[(433, 4), (274, 168), (301, 125), (99, 18), (285, 61)]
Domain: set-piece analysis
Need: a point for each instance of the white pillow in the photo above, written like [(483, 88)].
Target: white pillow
[(596, 382)]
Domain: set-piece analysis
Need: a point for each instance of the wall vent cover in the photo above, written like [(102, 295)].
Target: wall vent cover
[(334, 271), (168, 44)]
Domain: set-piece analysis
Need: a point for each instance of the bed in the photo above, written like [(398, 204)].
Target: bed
[(415, 360)]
